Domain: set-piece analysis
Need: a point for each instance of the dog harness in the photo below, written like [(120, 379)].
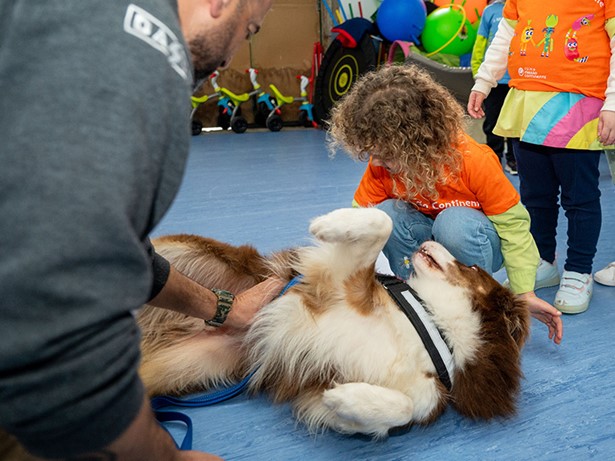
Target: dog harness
[(413, 306)]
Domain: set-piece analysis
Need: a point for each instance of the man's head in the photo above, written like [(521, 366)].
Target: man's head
[(215, 29)]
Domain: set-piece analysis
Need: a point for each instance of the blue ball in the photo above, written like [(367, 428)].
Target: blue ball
[(401, 19)]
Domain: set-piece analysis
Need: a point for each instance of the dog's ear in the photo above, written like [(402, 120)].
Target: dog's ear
[(503, 303), (513, 310), (488, 385)]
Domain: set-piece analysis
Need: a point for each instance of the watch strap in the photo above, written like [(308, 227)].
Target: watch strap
[(223, 307)]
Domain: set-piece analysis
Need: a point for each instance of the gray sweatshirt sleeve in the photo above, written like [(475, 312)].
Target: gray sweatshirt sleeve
[(94, 136), (160, 267)]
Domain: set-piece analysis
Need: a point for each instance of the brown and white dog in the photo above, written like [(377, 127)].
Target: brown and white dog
[(337, 346)]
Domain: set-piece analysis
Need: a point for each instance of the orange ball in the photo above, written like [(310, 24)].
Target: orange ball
[(473, 8)]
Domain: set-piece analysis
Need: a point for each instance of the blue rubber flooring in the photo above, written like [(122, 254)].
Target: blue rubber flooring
[(263, 188)]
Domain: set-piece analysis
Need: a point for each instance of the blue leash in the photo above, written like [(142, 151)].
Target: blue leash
[(208, 399), (201, 401), (164, 416)]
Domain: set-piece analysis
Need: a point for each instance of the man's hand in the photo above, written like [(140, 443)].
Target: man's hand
[(249, 302), (184, 295), (547, 314)]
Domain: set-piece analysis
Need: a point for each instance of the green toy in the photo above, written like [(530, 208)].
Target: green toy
[(447, 30)]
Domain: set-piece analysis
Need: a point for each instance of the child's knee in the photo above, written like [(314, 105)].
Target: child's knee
[(457, 226), (406, 218), (396, 209)]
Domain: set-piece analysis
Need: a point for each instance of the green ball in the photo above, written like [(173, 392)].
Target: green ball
[(444, 24)]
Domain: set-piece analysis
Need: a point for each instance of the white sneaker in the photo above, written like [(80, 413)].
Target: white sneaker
[(575, 291), (547, 275), (606, 276)]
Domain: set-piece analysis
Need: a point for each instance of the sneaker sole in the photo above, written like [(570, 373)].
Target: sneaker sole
[(572, 309), (553, 281)]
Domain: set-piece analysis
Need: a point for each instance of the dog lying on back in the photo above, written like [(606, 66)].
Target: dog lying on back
[(336, 345)]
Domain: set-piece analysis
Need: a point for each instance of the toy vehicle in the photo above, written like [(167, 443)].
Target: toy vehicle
[(306, 118), (196, 125), (229, 110), (264, 103)]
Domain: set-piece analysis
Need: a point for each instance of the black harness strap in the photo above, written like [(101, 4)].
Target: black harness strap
[(396, 287)]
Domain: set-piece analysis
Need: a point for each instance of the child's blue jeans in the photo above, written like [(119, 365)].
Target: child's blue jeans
[(466, 233)]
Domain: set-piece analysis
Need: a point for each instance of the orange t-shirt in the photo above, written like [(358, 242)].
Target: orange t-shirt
[(560, 46), (481, 184)]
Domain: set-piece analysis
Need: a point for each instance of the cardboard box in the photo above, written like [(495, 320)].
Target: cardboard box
[(281, 50), (286, 39)]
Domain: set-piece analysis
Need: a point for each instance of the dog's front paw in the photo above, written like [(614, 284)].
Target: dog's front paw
[(351, 224)]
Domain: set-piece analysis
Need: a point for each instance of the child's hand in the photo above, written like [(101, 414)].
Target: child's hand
[(547, 314), (475, 104), (606, 127)]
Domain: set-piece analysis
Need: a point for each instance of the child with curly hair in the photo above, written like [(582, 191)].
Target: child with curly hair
[(434, 181)]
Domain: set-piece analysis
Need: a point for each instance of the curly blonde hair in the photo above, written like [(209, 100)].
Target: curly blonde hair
[(400, 114)]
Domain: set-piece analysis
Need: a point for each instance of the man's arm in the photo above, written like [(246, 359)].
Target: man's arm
[(182, 294), (175, 291)]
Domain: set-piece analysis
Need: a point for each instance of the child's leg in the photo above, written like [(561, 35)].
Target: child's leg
[(578, 173), (539, 188), (470, 237), (493, 106), (510, 151), (410, 229)]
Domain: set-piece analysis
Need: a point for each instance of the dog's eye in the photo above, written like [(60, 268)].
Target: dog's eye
[(474, 267)]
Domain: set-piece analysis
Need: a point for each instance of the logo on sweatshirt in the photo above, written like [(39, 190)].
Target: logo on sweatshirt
[(530, 72), (155, 33)]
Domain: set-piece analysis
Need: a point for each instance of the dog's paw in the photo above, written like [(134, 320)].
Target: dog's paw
[(351, 224), (369, 409)]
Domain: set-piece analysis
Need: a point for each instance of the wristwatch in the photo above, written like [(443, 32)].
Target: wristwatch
[(225, 303)]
